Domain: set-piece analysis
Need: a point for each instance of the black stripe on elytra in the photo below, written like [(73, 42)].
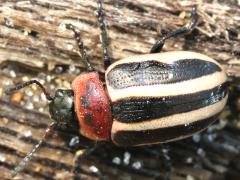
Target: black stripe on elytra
[(153, 72), (132, 138), (133, 110)]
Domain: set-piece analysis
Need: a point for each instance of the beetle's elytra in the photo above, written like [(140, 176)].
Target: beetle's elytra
[(164, 97), (151, 98)]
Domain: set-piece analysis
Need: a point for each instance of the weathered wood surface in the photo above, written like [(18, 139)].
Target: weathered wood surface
[(35, 44)]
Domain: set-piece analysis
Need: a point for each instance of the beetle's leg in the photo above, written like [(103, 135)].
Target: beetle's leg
[(157, 47), (79, 156), (103, 35), (81, 47), (166, 161)]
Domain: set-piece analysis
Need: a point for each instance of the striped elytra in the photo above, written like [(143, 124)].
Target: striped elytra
[(157, 98)]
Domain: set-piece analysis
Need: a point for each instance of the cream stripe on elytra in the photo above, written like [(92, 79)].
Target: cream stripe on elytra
[(172, 120), (185, 87)]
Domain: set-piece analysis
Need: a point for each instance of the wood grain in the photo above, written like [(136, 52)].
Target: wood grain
[(34, 43)]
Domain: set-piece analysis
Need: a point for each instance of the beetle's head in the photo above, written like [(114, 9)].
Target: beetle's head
[(61, 107)]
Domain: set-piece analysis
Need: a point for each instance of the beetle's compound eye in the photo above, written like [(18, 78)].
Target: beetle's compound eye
[(61, 107)]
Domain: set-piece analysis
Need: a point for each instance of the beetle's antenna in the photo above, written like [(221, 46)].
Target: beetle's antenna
[(28, 83), (81, 47), (29, 156), (103, 34)]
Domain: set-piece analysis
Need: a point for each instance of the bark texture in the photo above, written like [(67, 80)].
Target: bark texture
[(34, 43)]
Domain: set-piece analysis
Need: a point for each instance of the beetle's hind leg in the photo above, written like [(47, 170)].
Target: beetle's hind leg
[(157, 47), (103, 35), (81, 47)]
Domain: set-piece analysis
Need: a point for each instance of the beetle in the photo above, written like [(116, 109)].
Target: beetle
[(148, 99)]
